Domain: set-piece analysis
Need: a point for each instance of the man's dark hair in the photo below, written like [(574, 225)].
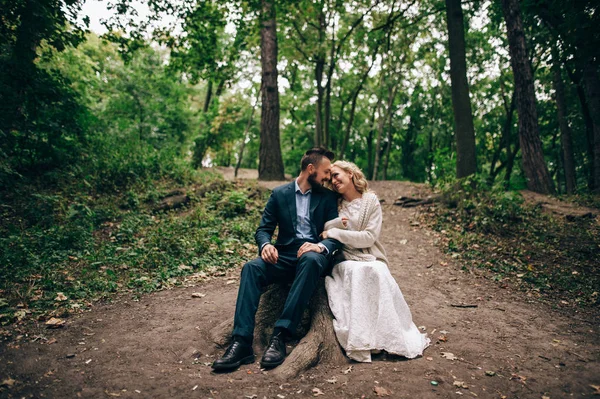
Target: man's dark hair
[(315, 156)]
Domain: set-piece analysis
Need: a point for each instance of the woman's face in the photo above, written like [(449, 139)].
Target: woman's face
[(341, 180)]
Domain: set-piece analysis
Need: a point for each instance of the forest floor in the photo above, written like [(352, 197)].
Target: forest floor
[(489, 340)]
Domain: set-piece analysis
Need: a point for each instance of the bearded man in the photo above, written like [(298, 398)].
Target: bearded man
[(300, 209)]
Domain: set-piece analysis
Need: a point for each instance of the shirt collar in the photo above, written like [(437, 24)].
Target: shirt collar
[(297, 188)]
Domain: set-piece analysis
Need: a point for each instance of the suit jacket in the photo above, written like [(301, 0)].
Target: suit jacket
[(281, 211)]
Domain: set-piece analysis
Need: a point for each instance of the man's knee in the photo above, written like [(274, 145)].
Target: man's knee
[(255, 267), (312, 261)]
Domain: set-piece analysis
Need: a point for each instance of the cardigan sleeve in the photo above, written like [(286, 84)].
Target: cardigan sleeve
[(335, 223), (361, 239)]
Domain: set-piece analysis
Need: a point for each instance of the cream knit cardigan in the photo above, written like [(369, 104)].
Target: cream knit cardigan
[(361, 245)]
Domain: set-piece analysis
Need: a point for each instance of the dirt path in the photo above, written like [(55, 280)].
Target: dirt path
[(158, 347)]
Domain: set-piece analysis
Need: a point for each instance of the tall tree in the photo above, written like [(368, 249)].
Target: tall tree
[(534, 166), (466, 159), (565, 130), (270, 161)]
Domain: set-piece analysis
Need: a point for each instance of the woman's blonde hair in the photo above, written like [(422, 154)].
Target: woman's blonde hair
[(358, 177)]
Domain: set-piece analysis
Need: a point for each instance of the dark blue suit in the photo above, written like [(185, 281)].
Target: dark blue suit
[(303, 273)]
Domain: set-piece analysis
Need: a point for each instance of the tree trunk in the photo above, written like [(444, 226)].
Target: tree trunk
[(504, 140), (319, 66), (466, 158), (270, 161), (318, 345), (245, 136), (381, 124), (589, 130), (565, 130), (346, 138), (592, 90), (209, 90), (534, 166)]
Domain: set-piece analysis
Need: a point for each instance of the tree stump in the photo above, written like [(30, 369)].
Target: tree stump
[(318, 344)]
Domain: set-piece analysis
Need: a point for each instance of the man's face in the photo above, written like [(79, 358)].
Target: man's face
[(321, 174)]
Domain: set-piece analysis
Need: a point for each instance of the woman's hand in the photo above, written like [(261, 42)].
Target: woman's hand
[(345, 221), (323, 235)]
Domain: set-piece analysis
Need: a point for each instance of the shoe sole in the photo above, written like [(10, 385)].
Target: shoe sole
[(246, 360), (270, 365)]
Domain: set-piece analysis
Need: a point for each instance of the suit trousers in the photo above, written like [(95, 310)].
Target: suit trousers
[(303, 273)]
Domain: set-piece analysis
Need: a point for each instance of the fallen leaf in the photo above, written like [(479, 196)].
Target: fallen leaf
[(596, 389), (317, 392), (251, 396), (20, 314), (55, 323), (442, 338), (280, 396), (230, 282), (332, 380), (429, 358), (460, 384), (51, 341), (449, 356), (403, 242), (198, 295), (60, 297), (195, 387), (381, 391), (111, 393), (9, 382), (348, 370), (490, 373), (519, 378)]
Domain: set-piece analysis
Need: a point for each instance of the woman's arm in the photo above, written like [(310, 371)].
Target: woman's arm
[(364, 238)]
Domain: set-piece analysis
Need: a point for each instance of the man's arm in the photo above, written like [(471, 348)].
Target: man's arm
[(267, 225)]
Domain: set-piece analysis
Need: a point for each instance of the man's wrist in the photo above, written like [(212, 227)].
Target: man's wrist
[(323, 248)]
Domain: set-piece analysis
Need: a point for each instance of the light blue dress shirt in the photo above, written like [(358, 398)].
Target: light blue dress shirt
[(303, 224)]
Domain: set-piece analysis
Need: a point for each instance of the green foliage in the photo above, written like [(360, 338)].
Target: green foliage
[(481, 209), (89, 246), (508, 240)]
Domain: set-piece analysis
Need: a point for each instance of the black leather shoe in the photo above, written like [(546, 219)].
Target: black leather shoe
[(237, 354), (275, 353)]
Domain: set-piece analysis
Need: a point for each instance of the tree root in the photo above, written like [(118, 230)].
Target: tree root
[(318, 345)]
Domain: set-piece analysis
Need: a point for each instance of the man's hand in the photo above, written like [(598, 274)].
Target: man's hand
[(269, 254), (307, 247)]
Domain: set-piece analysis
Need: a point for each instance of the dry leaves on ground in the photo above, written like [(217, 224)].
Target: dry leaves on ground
[(381, 391), (55, 322)]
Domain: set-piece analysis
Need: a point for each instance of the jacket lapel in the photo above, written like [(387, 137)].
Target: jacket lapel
[(291, 202)]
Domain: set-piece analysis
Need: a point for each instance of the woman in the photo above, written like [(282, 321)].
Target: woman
[(369, 309)]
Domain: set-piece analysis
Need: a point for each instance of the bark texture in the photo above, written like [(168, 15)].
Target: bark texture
[(534, 166), (565, 130), (466, 159), (270, 161), (591, 83)]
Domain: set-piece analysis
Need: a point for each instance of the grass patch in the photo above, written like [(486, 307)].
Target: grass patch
[(62, 249), (513, 242)]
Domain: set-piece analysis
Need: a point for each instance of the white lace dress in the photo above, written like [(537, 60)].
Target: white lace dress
[(369, 308)]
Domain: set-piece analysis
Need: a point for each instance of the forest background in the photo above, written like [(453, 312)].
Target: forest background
[(96, 131)]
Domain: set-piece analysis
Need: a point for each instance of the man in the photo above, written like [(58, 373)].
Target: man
[(300, 209)]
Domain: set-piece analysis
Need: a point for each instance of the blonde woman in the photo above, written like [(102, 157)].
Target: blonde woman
[(370, 312)]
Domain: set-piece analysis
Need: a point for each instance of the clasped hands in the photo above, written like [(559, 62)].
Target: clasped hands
[(270, 254)]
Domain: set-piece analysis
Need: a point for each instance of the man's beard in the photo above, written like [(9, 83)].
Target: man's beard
[(312, 179)]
